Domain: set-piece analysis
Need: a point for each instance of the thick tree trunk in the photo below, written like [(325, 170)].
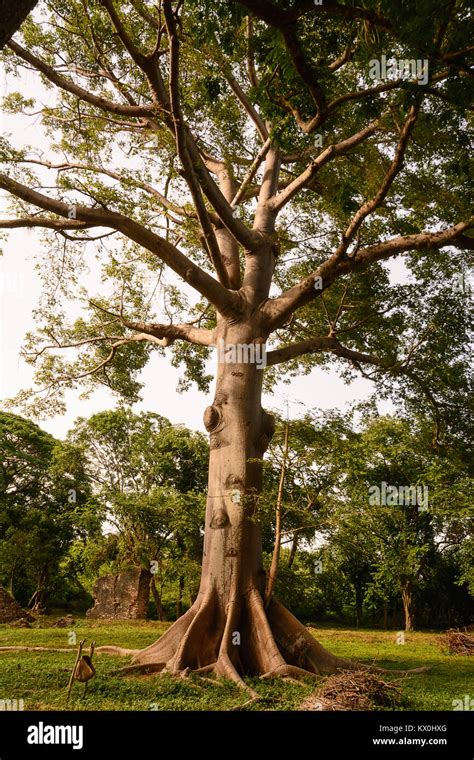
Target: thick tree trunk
[(227, 630), (408, 605)]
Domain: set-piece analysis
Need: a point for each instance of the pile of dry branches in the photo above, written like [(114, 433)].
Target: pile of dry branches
[(458, 642), (353, 690)]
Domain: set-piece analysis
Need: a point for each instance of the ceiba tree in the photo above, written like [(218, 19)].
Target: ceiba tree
[(245, 148)]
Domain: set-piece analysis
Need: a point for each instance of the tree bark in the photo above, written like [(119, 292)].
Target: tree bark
[(227, 629), (12, 15), (408, 605)]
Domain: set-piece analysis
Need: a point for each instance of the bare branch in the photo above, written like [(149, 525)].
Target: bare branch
[(251, 173), (250, 239), (265, 215), (310, 346), (345, 57), (167, 334), (228, 245)]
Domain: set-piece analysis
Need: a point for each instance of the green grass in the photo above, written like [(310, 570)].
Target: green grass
[(41, 678)]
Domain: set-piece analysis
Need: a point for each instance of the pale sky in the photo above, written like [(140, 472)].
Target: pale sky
[(20, 290)]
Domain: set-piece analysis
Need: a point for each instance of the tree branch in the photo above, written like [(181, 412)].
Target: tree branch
[(276, 16), (167, 334), (315, 345), (41, 221), (340, 149), (182, 148), (251, 173), (303, 67), (167, 204), (68, 85), (249, 108), (251, 70), (224, 300), (148, 63), (136, 55), (396, 165), (277, 310), (265, 214), (310, 346)]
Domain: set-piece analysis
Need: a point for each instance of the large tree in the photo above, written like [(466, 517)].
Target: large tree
[(251, 149)]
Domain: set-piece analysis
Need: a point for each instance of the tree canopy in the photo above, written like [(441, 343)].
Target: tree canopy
[(234, 124)]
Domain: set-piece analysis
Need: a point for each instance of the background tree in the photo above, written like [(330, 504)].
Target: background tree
[(303, 469), (395, 548), (44, 505), (246, 148), (149, 477)]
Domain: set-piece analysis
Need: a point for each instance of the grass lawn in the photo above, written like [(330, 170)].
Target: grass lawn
[(41, 678)]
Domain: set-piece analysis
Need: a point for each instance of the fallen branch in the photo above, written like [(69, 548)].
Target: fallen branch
[(118, 651), (458, 642), (353, 690)]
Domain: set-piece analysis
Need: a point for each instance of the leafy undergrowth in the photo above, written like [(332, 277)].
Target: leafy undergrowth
[(41, 678)]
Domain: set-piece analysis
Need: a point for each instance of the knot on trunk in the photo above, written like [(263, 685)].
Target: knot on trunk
[(213, 419), (219, 519)]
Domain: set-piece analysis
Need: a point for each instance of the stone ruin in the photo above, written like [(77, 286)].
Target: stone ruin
[(123, 596), (10, 610)]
